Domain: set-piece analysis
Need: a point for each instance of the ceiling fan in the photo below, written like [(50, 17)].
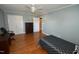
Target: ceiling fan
[(33, 9)]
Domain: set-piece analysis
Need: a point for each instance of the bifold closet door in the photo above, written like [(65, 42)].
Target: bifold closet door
[(15, 23)]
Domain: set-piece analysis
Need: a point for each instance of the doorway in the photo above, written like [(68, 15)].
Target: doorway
[(37, 24), (29, 27)]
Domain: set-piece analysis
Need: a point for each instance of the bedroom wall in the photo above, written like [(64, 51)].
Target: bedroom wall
[(63, 23)]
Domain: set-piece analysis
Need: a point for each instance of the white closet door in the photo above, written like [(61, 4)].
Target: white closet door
[(36, 24), (15, 23)]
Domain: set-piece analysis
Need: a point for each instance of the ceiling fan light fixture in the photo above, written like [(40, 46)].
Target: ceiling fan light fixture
[(33, 9)]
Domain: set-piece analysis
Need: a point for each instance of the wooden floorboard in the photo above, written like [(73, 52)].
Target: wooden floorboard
[(27, 44)]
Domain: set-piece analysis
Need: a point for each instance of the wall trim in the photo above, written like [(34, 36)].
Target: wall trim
[(58, 9), (45, 33), (20, 33)]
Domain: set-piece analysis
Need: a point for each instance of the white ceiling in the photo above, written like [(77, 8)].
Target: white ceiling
[(41, 9)]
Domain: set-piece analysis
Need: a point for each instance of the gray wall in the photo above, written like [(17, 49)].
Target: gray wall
[(63, 23), (2, 21)]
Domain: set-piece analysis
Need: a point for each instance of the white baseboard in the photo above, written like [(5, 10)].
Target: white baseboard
[(45, 33), (20, 33)]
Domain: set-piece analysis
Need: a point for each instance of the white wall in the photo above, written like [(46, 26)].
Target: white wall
[(63, 23)]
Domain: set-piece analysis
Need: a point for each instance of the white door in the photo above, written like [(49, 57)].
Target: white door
[(36, 24), (15, 23)]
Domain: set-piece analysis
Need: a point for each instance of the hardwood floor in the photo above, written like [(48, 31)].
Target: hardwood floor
[(27, 44)]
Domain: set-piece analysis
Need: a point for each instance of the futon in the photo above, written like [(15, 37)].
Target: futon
[(55, 45)]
